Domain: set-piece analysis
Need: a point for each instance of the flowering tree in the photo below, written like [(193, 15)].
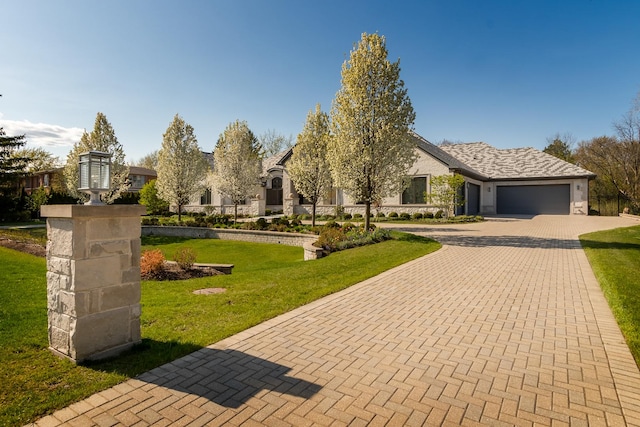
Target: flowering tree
[(308, 167), (371, 150), (102, 138), (182, 168), (236, 164)]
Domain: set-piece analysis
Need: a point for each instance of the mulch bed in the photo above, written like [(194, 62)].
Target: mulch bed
[(172, 271), (30, 248)]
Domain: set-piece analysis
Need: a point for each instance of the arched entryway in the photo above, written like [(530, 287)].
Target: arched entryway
[(274, 194)]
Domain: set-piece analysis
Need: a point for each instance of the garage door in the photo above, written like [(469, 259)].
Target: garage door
[(533, 199)]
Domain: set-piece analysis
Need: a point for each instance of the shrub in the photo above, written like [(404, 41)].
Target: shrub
[(267, 212), (439, 214), (357, 216), (380, 215), (151, 263), (295, 222), (262, 224), (347, 226), (331, 224), (150, 220), (417, 215), (190, 222), (347, 216), (428, 215), (330, 237), (185, 257), (405, 215), (479, 218), (393, 215)]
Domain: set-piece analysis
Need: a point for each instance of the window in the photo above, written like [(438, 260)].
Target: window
[(137, 181), (415, 193), (205, 199), (46, 180)]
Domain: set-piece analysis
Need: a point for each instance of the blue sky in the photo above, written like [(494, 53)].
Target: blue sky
[(509, 73)]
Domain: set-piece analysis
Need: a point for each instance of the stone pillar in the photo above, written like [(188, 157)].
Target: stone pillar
[(93, 279), (290, 202), (258, 205)]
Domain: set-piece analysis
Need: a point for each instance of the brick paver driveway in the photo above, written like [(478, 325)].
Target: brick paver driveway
[(506, 325)]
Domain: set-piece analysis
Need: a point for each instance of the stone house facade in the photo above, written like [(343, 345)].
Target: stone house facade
[(521, 181)]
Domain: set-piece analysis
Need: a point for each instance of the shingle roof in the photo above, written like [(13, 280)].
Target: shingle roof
[(275, 160), (446, 158), (514, 163)]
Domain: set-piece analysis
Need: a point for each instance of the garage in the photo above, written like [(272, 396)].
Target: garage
[(533, 199)]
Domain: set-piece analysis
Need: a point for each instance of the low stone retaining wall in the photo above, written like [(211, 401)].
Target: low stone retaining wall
[(256, 236)]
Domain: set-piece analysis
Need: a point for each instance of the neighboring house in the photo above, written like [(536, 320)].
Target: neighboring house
[(497, 181), (138, 177), (39, 179)]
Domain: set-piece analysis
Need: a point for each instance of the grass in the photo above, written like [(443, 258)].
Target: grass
[(267, 280), (615, 258)]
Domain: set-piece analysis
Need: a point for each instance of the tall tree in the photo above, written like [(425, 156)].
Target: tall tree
[(308, 166), (101, 138), (12, 166), (272, 143), (236, 164), (616, 160), (371, 150), (561, 146), (182, 168)]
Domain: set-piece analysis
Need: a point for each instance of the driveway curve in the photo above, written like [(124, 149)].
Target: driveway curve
[(505, 325)]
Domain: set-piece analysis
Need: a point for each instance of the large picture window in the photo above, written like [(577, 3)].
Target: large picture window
[(205, 199), (415, 193)]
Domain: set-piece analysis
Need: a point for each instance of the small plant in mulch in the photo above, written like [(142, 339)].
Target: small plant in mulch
[(185, 257)]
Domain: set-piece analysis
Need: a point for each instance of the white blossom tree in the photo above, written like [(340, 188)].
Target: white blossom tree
[(371, 116), (102, 138), (236, 164), (308, 166), (182, 168)]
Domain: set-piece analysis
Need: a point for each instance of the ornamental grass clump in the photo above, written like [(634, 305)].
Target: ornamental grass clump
[(151, 263)]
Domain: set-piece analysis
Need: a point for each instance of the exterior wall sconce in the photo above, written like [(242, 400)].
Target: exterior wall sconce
[(94, 175), (578, 187)]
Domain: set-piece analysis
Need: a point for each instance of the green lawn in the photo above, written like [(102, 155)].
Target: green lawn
[(267, 280), (615, 258)]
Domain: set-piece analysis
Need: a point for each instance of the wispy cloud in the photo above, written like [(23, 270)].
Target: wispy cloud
[(42, 134)]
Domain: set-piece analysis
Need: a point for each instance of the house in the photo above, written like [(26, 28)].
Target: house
[(497, 182), (138, 176)]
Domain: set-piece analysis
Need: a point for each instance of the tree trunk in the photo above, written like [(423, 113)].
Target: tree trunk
[(367, 214), (235, 213), (313, 214), (179, 212)]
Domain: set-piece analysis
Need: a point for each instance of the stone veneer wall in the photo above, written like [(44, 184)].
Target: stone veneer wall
[(256, 236), (93, 279)]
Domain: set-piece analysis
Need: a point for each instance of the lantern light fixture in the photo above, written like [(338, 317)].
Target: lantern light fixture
[(94, 175)]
